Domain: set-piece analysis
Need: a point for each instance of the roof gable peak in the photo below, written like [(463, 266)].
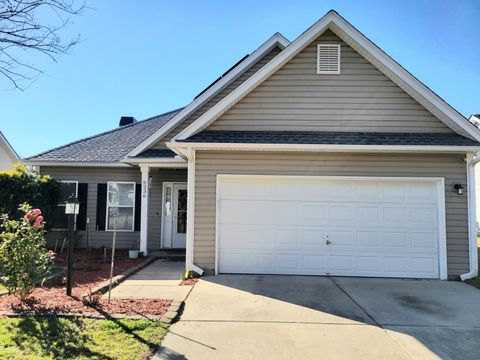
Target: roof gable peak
[(355, 39)]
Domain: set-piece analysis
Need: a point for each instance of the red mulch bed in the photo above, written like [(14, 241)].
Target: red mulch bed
[(90, 272), (189, 282)]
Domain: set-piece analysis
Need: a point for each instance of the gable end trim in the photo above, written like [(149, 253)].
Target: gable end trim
[(332, 20), (276, 40)]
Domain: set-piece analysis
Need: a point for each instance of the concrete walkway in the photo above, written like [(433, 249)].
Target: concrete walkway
[(158, 280), (301, 317)]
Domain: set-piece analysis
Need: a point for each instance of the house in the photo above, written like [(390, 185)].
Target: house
[(8, 156), (322, 156)]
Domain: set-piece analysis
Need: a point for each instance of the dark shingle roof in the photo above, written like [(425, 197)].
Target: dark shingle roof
[(331, 138), (156, 153), (107, 147)]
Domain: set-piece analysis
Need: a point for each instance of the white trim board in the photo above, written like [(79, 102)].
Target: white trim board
[(73, 164), (276, 40), (176, 162), (181, 147), (440, 189), (366, 48)]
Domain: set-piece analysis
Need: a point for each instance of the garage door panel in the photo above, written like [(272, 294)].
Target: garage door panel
[(368, 263), (287, 238), (425, 265), (313, 238), (282, 225), (425, 240), (368, 239), (315, 264)]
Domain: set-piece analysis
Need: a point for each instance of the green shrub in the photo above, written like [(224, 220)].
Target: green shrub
[(19, 186), (24, 259)]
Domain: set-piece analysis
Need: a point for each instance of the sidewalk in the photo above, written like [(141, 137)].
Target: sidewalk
[(159, 280)]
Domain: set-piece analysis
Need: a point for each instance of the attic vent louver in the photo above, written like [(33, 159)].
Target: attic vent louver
[(328, 59)]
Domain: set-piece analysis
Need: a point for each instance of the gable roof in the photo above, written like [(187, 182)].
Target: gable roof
[(8, 147), (332, 20), (105, 148), (277, 40)]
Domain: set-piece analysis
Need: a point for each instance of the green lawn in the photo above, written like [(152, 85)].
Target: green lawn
[(76, 338), (474, 282)]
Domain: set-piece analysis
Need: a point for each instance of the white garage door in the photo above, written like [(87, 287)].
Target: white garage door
[(328, 226)]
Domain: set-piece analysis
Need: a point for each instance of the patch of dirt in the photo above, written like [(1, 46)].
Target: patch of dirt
[(189, 282), (93, 272)]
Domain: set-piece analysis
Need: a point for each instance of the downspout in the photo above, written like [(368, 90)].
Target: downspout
[(472, 160), (191, 213)]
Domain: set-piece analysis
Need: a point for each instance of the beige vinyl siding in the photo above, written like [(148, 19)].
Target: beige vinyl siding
[(361, 98), (94, 176), (451, 167), (224, 92)]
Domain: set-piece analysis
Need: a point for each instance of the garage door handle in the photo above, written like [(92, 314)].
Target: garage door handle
[(328, 242)]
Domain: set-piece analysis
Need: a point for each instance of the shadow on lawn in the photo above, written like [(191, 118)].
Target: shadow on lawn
[(125, 328), (56, 337)]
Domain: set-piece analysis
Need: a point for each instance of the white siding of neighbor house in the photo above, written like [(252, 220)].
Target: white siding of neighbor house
[(94, 176), (451, 167), (6, 159), (360, 98)]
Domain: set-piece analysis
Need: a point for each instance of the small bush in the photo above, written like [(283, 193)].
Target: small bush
[(24, 259)]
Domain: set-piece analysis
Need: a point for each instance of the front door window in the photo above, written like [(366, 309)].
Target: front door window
[(182, 212), (174, 225)]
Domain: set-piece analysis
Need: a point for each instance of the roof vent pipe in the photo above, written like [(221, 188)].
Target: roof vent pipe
[(126, 120)]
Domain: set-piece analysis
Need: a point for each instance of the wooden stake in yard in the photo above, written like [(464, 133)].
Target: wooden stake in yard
[(112, 263)]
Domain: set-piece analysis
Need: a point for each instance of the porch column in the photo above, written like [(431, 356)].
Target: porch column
[(144, 214)]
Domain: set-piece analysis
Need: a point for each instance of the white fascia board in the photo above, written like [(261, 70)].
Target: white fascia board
[(180, 147), (276, 40), (176, 162), (452, 118), (73, 164)]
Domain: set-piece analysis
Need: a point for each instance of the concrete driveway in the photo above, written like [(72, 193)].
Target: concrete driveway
[(302, 317)]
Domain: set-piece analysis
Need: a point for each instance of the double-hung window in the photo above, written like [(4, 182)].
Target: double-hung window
[(59, 219), (120, 205)]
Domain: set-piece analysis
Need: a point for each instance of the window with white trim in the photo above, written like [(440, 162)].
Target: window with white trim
[(59, 218), (328, 59), (120, 205)]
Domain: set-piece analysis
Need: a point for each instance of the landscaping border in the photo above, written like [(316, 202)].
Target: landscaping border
[(168, 318)]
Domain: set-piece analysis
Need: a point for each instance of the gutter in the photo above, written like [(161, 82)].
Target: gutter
[(180, 146), (472, 160)]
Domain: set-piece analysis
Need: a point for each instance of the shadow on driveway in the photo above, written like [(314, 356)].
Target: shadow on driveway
[(286, 317)]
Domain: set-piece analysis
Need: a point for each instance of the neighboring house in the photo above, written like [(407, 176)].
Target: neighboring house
[(320, 156), (8, 156)]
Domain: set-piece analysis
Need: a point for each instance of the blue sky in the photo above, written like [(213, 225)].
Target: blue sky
[(145, 58)]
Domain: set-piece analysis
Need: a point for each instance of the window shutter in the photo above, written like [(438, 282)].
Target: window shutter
[(101, 206), (82, 213), (328, 59), (138, 206)]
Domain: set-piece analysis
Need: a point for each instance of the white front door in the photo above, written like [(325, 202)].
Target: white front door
[(174, 224), (329, 226)]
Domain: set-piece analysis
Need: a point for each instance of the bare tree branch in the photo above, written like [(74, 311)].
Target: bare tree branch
[(27, 25)]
